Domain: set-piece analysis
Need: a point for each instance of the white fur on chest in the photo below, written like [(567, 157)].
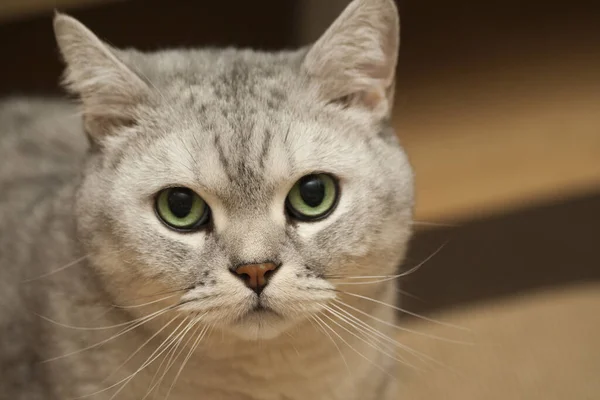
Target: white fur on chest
[(306, 364), (316, 370)]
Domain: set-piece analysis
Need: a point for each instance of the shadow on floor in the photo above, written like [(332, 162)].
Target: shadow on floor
[(548, 246)]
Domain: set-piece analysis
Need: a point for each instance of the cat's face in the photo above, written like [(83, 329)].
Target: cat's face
[(235, 182)]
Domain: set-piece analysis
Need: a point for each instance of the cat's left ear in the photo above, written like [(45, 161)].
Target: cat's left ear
[(354, 62), (109, 90)]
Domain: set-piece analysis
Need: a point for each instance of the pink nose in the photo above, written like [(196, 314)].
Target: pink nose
[(256, 276)]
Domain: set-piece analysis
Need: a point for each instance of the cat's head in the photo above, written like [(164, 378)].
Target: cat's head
[(243, 184)]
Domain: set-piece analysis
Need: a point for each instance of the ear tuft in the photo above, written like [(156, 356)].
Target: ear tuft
[(355, 60), (109, 90)]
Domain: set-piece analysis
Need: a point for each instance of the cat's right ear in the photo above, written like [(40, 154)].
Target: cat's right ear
[(109, 90)]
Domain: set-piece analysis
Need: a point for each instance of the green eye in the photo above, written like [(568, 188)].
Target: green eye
[(313, 197), (182, 209)]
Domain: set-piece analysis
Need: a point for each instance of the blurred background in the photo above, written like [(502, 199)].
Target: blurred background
[(498, 107)]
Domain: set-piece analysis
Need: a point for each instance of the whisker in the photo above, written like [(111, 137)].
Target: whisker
[(169, 357), (172, 357), (374, 346), (122, 332), (422, 357), (143, 345), (292, 343), (334, 343), (438, 224), (401, 328), (373, 331), (405, 311), (353, 349), (145, 304), (177, 339), (97, 328), (408, 294), (67, 266), (128, 379), (171, 291), (380, 279), (192, 350), (384, 345), (64, 267)]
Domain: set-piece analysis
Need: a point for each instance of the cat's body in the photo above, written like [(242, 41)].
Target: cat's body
[(83, 250), (40, 148)]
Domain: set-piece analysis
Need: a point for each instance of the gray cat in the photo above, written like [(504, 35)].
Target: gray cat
[(213, 224)]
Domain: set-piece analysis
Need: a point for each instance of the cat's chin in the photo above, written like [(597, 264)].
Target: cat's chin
[(260, 325)]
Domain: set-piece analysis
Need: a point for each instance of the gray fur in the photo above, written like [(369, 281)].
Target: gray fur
[(239, 127)]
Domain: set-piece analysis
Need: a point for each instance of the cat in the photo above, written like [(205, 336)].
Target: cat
[(195, 227)]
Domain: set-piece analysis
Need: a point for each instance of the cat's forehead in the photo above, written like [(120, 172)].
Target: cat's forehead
[(238, 79), (231, 154), (226, 91)]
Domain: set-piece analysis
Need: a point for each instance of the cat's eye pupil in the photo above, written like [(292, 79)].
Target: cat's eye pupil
[(180, 202), (312, 190)]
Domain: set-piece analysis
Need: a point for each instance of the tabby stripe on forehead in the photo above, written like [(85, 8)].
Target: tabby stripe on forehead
[(265, 148), (223, 159)]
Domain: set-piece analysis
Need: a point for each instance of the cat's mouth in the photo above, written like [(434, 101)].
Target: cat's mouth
[(260, 323)]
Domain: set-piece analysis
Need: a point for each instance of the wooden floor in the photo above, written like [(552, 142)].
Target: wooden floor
[(543, 346)]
